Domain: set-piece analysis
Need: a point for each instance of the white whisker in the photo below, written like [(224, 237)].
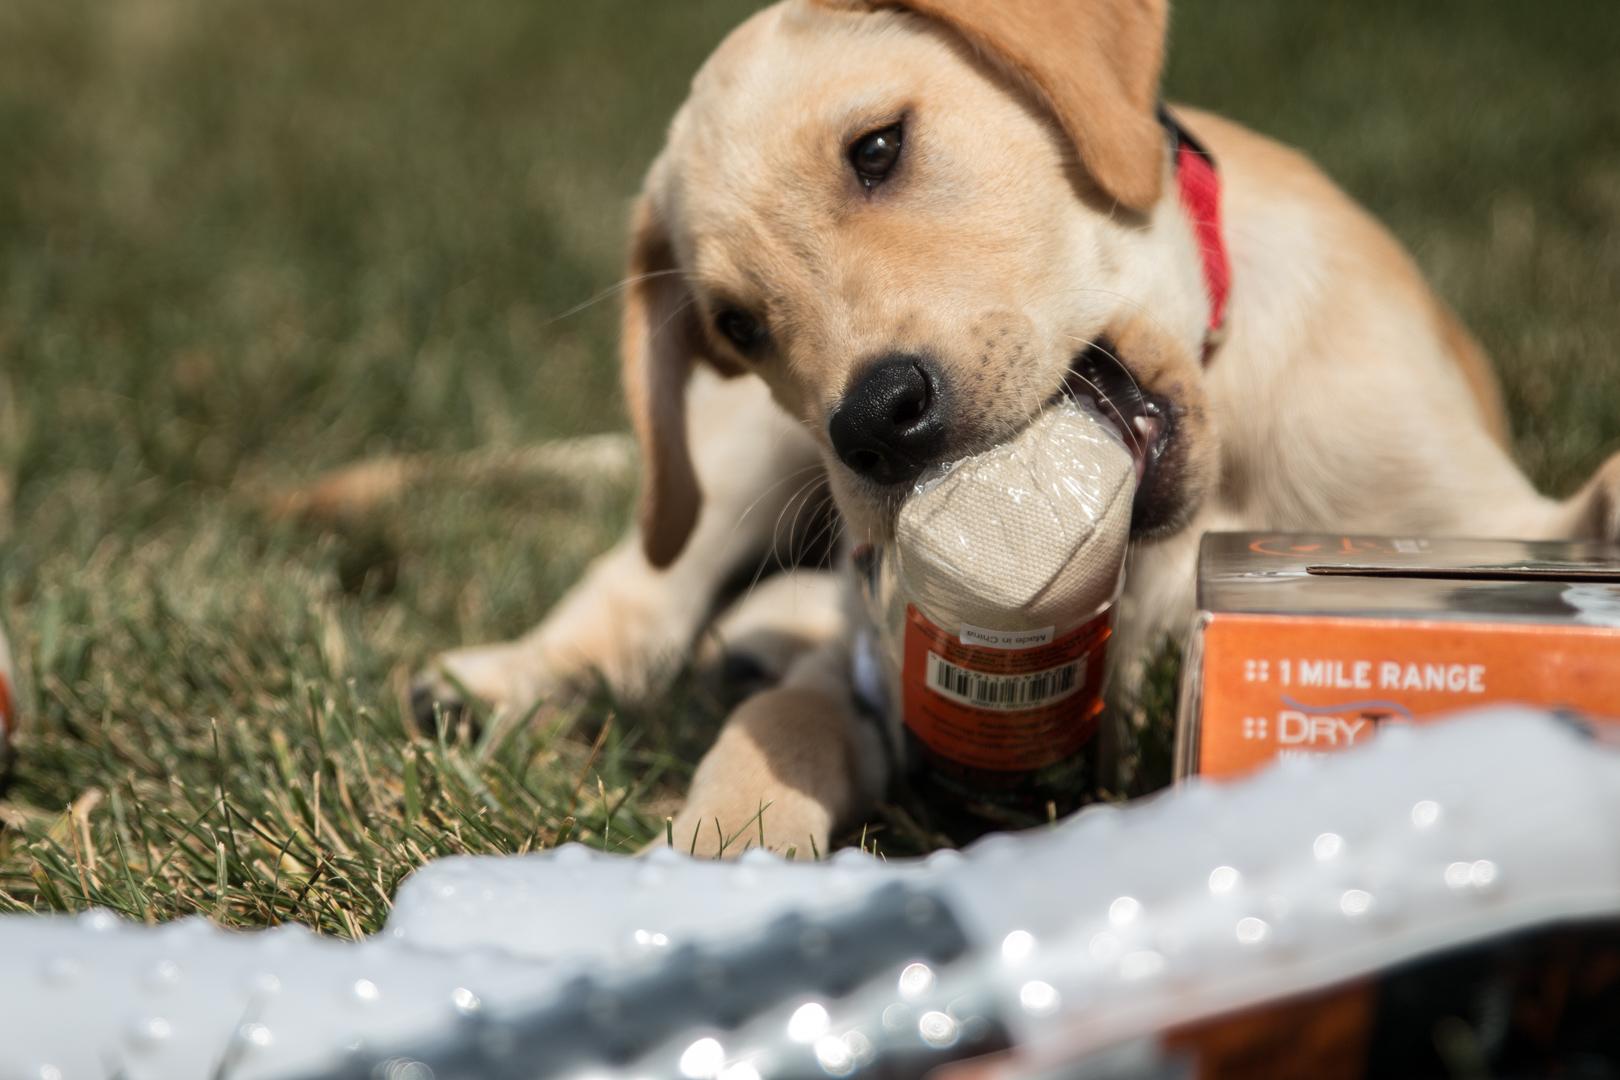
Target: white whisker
[(1104, 400), (611, 291)]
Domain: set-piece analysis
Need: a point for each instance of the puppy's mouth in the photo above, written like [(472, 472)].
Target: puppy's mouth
[(1145, 421), (1149, 423)]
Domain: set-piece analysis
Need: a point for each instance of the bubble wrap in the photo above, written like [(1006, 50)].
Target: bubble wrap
[(1119, 923)]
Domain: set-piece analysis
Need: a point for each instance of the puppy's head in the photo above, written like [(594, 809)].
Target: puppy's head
[(920, 222)]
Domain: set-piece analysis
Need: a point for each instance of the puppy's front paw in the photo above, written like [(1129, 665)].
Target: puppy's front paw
[(791, 825), (506, 677)]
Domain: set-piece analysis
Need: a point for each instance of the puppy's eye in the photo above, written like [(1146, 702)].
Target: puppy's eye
[(876, 153), (740, 328)]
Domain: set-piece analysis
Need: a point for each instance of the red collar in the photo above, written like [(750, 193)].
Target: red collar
[(1200, 187)]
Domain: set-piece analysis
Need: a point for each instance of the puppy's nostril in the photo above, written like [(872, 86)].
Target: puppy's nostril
[(908, 410), (864, 461)]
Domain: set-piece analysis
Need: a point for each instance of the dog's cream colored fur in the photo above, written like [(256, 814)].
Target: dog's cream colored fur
[(1029, 217)]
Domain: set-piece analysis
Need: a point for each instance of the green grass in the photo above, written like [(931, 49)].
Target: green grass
[(242, 242)]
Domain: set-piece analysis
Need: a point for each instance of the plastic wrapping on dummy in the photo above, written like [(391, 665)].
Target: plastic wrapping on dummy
[(992, 610)]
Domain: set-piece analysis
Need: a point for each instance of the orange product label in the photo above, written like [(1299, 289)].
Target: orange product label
[(1276, 686), (1322, 1036), (1025, 702)]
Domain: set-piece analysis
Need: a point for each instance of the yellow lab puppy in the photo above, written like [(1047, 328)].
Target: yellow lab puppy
[(886, 234)]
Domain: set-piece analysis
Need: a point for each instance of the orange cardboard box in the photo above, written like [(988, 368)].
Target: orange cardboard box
[(1308, 644)]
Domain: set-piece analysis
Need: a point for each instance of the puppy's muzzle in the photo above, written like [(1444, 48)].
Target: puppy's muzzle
[(890, 425)]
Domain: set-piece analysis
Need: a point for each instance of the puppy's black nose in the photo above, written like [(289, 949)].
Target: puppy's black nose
[(890, 425)]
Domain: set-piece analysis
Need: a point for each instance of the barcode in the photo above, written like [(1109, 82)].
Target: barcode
[(1003, 692)]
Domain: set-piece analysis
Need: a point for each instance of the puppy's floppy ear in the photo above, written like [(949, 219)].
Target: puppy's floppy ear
[(659, 340), (1094, 63)]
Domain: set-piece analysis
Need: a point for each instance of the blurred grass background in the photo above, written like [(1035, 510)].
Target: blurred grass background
[(243, 241)]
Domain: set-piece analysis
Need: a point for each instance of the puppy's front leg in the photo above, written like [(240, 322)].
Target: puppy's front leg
[(791, 765), (1594, 514), (626, 622)]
